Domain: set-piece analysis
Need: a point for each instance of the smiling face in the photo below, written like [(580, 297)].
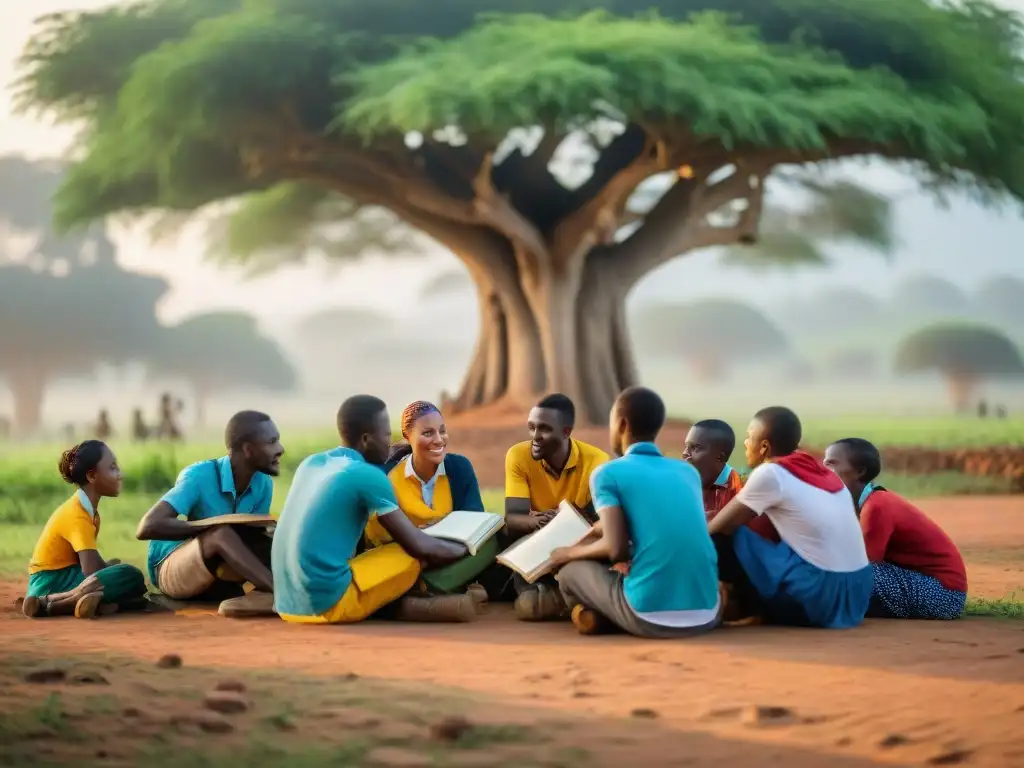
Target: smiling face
[(547, 432), (428, 437), (106, 477), (264, 451)]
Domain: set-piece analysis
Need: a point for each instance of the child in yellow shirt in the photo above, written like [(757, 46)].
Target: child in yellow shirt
[(67, 575)]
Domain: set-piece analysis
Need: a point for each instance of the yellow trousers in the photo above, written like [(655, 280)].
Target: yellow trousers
[(379, 577)]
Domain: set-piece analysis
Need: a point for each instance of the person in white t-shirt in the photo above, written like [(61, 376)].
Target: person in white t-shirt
[(818, 574)]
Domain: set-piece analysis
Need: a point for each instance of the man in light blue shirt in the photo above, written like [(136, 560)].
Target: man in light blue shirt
[(319, 575), (654, 503), (187, 562)]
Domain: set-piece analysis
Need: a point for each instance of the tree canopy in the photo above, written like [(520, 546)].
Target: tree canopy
[(220, 352), (711, 334), (314, 111)]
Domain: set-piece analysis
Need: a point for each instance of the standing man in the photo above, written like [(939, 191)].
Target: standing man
[(540, 474), (318, 576), (653, 504), (188, 563)]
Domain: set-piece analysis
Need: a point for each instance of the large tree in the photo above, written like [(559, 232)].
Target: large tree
[(65, 304), (313, 110)]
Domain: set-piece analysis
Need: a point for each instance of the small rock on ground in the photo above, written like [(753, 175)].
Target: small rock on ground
[(643, 712), (89, 678), (225, 702), (761, 716), (46, 675), (236, 686), (450, 728), (208, 722), (169, 661)]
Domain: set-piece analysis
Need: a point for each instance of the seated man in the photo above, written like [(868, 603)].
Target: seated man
[(918, 571), (655, 503), (187, 563), (540, 474), (709, 446), (318, 576), (818, 574)]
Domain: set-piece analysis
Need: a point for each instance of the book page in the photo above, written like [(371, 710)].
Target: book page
[(528, 556), (465, 527)]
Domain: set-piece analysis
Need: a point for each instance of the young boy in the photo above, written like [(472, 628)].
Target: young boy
[(655, 503), (818, 574)]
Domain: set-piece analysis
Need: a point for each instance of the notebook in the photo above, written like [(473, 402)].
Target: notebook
[(473, 529), (530, 556), (238, 519)]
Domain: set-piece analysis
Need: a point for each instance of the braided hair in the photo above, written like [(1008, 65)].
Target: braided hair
[(412, 413), (77, 462)]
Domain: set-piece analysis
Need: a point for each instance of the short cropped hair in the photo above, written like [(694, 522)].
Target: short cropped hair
[(644, 412), (242, 428), (782, 429), (721, 433), (356, 417), (864, 457), (562, 404)]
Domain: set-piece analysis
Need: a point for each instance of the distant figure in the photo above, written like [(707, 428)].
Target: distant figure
[(169, 410), (982, 409), (103, 428), (1000, 411), (140, 430)]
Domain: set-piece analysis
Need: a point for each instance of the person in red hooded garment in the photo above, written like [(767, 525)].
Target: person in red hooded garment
[(818, 574)]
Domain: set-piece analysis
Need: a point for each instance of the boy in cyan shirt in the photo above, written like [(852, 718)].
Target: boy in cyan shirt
[(655, 503)]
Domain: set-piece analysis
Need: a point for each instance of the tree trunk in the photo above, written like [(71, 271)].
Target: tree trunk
[(562, 334), (961, 389), (28, 387)]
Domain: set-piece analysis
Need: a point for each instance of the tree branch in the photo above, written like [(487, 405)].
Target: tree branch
[(494, 209)]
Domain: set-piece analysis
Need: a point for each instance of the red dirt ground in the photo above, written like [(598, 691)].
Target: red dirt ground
[(887, 692)]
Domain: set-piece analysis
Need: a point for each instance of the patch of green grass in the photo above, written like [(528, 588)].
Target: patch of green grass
[(1009, 607)]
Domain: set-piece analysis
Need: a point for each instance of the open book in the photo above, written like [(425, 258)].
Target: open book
[(530, 557), (473, 529)]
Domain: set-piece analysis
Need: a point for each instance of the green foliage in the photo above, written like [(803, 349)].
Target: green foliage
[(959, 350), (187, 102)]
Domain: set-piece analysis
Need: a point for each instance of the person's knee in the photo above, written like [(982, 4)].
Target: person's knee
[(408, 577), (216, 540)]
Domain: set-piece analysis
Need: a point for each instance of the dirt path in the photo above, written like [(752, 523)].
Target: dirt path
[(892, 692)]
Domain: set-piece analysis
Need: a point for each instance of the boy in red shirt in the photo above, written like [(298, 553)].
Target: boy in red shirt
[(919, 573)]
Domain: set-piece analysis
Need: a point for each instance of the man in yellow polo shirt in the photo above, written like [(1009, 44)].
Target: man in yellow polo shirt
[(541, 473)]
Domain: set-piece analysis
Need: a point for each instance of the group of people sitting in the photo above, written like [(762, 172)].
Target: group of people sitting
[(678, 546)]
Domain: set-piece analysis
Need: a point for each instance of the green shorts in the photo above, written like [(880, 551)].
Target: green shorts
[(121, 582)]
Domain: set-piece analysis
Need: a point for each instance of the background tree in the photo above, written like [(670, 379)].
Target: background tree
[(220, 352), (411, 108), (964, 354), (709, 334), (65, 304)]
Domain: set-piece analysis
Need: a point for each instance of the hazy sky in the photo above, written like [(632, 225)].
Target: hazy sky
[(965, 244)]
